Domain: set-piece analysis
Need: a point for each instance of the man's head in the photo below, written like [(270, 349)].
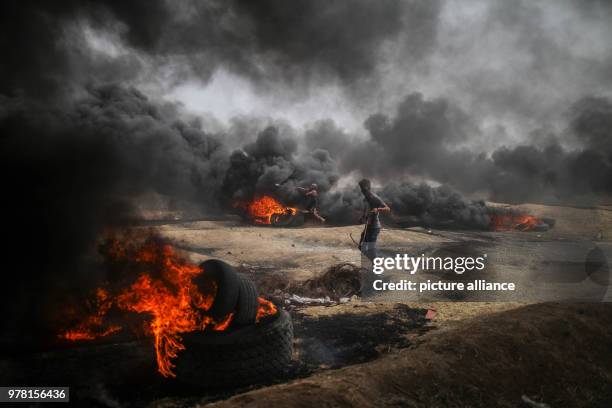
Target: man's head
[(313, 186), (365, 185)]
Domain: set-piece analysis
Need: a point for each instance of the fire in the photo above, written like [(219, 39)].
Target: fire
[(264, 209), (266, 308), (163, 292), (92, 326), (514, 222)]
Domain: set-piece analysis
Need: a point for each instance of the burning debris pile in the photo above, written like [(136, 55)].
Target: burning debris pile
[(170, 295), (514, 220), (266, 210)]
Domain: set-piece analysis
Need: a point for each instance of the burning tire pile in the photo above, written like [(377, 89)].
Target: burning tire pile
[(248, 355), (255, 349), (266, 210), (209, 326)]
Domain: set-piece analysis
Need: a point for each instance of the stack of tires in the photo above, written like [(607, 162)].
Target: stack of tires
[(247, 352)]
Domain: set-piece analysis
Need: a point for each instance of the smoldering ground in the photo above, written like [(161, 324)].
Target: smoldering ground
[(84, 127)]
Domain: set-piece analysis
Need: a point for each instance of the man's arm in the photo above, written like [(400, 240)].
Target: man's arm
[(379, 206), (384, 208)]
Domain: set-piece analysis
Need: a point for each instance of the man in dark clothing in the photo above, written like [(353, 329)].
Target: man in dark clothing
[(374, 205), (312, 204)]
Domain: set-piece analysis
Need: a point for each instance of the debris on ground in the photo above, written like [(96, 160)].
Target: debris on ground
[(338, 281), (337, 284)]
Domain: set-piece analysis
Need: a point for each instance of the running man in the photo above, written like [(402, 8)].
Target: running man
[(312, 203)]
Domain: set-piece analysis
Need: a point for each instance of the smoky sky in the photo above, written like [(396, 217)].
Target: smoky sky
[(439, 102), (269, 41), (424, 138)]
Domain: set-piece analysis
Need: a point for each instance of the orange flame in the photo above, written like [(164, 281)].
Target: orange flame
[(92, 326), (266, 308), (262, 210), (165, 293), (514, 222)]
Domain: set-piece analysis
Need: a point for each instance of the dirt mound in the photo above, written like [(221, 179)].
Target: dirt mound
[(559, 354)]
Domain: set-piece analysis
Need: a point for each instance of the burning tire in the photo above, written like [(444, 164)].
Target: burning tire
[(243, 356), (236, 293), (228, 286), (246, 310), (287, 220)]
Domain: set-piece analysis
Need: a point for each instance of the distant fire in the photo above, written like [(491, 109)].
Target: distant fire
[(163, 292), (515, 222), (265, 209)]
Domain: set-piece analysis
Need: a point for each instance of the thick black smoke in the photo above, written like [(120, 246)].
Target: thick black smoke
[(271, 165), (298, 43), (425, 137), (411, 205), (439, 207), (45, 56), (71, 170)]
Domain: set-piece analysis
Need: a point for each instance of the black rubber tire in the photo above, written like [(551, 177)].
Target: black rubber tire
[(251, 355), (228, 286), (246, 310), (296, 220)]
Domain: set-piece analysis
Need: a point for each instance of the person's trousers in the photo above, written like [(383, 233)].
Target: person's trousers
[(369, 252), (368, 242)]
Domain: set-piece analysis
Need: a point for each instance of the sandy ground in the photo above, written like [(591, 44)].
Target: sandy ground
[(545, 266)]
